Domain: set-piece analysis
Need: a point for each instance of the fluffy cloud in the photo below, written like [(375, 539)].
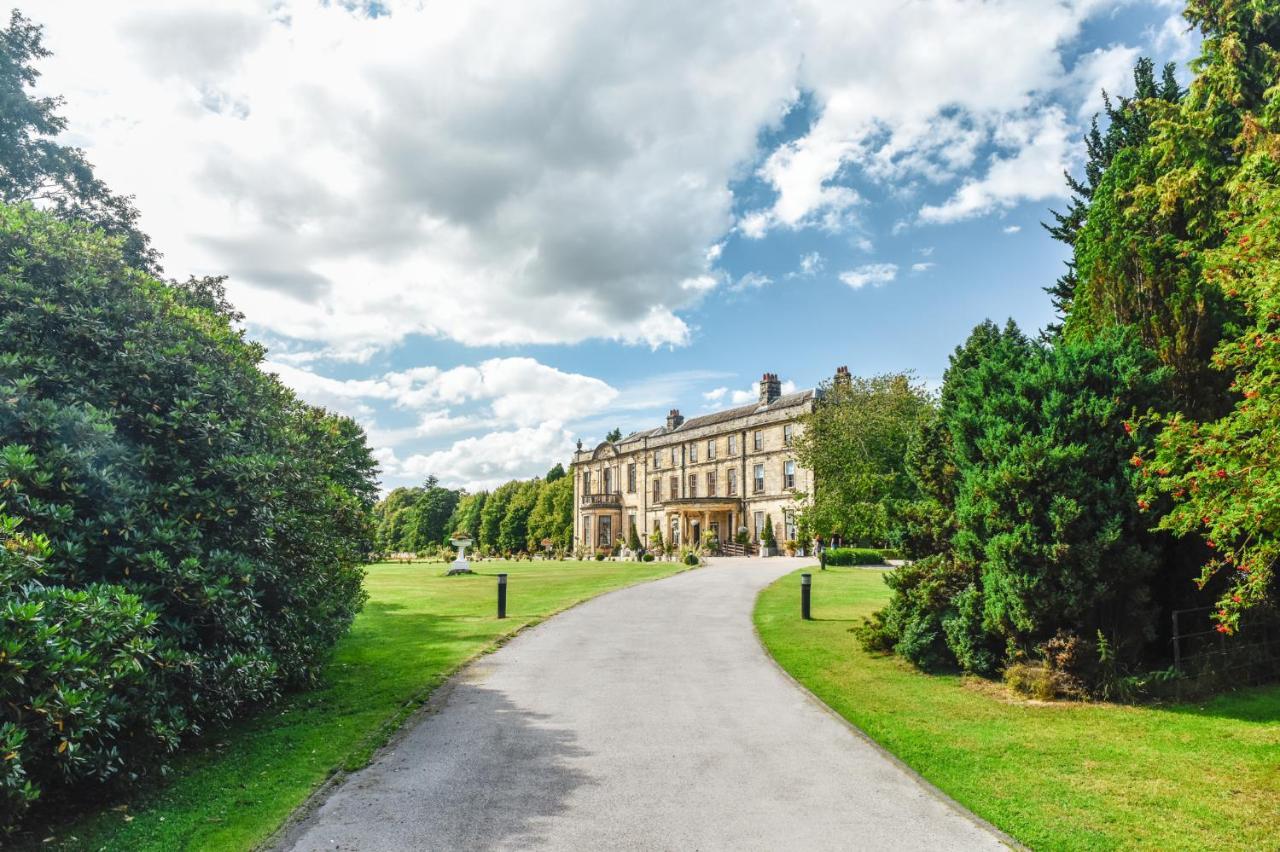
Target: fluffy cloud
[(1041, 146), (874, 274), (543, 172), (488, 172), (923, 266), (742, 397), (894, 101), (518, 391), (491, 459)]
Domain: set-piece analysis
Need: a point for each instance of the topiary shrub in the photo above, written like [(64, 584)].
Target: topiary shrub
[(691, 559), (198, 530), (648, 557)]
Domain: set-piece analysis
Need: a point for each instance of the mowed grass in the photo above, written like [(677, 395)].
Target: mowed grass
[(417, 628), (1054, 776)]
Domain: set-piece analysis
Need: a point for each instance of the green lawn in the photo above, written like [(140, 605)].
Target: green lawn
[(417, 628), (1054, 776)]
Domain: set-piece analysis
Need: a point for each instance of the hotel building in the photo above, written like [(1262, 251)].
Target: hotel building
[(716, 473)]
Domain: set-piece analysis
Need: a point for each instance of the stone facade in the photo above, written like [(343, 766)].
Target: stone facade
[(716, 473)]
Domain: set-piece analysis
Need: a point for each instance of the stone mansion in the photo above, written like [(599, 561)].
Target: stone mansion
[(717, 473)]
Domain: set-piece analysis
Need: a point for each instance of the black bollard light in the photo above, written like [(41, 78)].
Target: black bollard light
[(502, 596), (806, 588)]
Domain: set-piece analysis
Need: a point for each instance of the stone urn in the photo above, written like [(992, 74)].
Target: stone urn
[(459, 565)]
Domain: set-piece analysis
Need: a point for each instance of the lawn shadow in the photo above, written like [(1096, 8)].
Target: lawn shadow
[(480, 773), (1260, 704)]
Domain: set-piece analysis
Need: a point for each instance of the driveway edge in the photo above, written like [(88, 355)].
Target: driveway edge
[(423, 704), (924, 783)]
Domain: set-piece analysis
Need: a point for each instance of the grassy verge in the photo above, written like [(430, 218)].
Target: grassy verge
[(1055, 776), (418, 627)]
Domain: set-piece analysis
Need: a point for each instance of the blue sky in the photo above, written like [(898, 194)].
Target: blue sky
[(488, 231)]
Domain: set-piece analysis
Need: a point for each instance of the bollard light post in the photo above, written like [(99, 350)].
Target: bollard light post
[(502, 596), (806, 588)]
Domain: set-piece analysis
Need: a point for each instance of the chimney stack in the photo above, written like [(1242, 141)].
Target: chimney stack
[(674, 419), (770, 388), (843, 379)]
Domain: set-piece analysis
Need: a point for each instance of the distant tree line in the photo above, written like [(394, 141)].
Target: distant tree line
[(516, 517)]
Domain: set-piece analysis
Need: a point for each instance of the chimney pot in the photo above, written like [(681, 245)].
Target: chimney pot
[(674, 419), (770, 388)]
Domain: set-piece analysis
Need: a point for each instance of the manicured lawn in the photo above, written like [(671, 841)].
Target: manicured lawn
[(1055, 776), (418, 627)]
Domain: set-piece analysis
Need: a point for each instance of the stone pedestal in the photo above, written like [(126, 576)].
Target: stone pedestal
[(460, 565)]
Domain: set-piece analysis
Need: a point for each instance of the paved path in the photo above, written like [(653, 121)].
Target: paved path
[(649, 718)]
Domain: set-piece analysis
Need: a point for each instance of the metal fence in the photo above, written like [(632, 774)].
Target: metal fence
[(1207, 661)]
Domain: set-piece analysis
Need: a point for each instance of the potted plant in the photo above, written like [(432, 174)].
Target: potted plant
[(768, 545), (633, 542), (791, 547), (655, 540)]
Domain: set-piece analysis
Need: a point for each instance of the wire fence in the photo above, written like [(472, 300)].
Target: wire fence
[(1209, 661)]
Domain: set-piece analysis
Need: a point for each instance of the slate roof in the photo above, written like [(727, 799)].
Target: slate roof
[(784, 401)]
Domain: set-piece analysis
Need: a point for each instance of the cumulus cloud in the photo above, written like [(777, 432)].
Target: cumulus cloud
[(499, 173), (487, 172), (874, 274), (1040, 146), (1012, 229), (488, 460), (892, 102), (519, 391)]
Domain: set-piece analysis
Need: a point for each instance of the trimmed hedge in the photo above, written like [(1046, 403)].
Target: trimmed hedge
[(839, 556), (180, 536)]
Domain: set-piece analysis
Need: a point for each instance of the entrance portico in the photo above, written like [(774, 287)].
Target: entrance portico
[(691, 518)]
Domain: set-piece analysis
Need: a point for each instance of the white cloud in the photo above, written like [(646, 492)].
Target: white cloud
[(742, 397), (715, 395), (874, 274), (752, 281), (1109, 69), (488, 460), (1041, 146), (501, 173), (1012, 229), (812, 263), (487, 172), (922, 267), (509, 397), (891, 101)]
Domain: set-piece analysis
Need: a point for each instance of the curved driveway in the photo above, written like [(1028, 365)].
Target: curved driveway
[(648, 718)]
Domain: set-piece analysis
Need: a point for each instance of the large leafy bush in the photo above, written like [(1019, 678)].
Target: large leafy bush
[(1037, 488), (198, 531)]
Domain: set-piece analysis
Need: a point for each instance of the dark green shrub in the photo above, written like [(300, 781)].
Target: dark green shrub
[(648, 557), (691, 559), (600, 556), (887, 553), (846, 556), (912, 623), (204, 527)]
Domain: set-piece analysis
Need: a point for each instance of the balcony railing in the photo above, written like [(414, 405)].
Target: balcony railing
[(602, 500)]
